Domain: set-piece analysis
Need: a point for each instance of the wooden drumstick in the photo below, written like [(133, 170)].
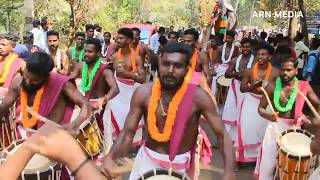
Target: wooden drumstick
[(268, 99), (314, 111), (41, 118)]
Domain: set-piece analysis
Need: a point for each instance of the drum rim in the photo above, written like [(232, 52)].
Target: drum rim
[(16, 143), (85, 123), (291, 156), (223, 76), (163, 171)]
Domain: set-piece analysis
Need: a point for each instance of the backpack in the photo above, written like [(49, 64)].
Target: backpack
[(316, 72)]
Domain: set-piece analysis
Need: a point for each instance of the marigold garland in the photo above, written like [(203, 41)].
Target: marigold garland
[(172, 110), (10, 60), (137, 50), (194, 60), (132, 57), (255, 72), (26, 122)]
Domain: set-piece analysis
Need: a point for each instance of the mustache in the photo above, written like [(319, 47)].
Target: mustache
[(31, 88)]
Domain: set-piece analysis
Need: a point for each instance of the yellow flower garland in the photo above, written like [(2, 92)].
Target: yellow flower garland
[(7, 67), (172, 110)]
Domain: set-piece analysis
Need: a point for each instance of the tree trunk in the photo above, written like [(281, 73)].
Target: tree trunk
[(303, 20), (28, 10), (72, 23)]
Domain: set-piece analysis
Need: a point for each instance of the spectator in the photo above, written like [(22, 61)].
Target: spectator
[(154, 41), (37, 33)]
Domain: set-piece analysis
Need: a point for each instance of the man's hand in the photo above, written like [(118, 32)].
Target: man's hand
[(107, 168), (98, 103), (72, 128), (273, 116)]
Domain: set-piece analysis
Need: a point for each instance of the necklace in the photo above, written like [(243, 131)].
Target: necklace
[(172, 110), (223, 56), (161, 105), (7, 67), (132, 57), (105, 50), (86, 83), (26, 122), (74, 54), (248, 65), (292, 97)]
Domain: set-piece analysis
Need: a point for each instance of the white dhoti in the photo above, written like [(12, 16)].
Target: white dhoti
[(231, 107), (250, 129), (315, 175), (220, 70), (267, 160), (120, 106), (148, 159)]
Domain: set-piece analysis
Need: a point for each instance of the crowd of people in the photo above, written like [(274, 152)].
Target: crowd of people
[(153, 98)]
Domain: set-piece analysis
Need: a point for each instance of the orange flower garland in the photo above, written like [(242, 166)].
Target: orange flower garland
[(10, 59), (137, 50), (255, 73), (132, 57), (194, 60), (172, 110), (26, 122)]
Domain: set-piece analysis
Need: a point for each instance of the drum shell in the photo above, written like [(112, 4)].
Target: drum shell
[(90, 138), (222, 91), (155, 172), (288, 163), (7, 129)]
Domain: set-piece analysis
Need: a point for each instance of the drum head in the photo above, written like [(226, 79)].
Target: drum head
[(223, 81), (161, 174), (296, 144)]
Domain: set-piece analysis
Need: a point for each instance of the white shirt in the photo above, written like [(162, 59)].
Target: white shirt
[(154, 42), (37, 33)]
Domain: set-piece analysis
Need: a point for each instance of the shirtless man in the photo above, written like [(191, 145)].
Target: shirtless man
[(98, 82), (235, 71), (59, 57), (75, 54), (173, 68), (10, 64), (288, 112), (129, 73), (251, 126), (190, 37), (136, 45), (49, 94)]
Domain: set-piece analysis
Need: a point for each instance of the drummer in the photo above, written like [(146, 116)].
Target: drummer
[(315, 147), (98, 83), (157, 103), (49, 94), (283, 92), (232, 105)]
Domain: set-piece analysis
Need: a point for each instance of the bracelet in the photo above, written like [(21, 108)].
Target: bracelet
[(79, 167)]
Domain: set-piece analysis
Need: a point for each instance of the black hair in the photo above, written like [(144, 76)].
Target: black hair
[(36, 23), (126, 32), (96, 42), (193, 32), (27, 36), (174, 33), (283, 50), (10, 37), (161, 30), (246, 40), (89, 26), (80, 34), (263, 35), (178, 48), (269, 48), (211, 36), (315, 44), (299, 36), (136, 29), (40, 63), (53, 33), (291, 60), (231, 33), (163, 40), (44, 21), (107, 33)]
